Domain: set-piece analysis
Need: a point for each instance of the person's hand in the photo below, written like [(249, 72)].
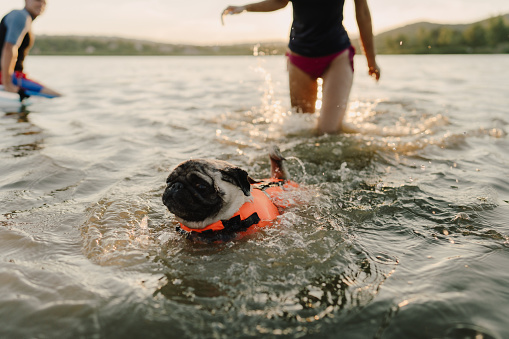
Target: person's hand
[(232, 10), (374, 71), (10, 87)]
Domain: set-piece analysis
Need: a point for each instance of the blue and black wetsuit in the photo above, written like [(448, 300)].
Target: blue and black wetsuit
[(317, 28), (15, 28), (12, 27)]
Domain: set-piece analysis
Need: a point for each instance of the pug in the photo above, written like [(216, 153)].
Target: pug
[(212, 198)]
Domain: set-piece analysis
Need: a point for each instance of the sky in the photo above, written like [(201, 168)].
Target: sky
[(198, 21)]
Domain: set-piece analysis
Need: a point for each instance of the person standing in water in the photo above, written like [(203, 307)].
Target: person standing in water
[(16, 39), (319, 47)]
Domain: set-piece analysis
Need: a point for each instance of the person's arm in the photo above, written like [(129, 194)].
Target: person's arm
[(9, 57), (363, 17), (17, 23), (263, 6)]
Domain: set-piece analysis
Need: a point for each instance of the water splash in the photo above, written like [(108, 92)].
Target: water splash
[(301, 163)]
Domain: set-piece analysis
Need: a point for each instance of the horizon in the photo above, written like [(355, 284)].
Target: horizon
[(200, 24), (266, 42)]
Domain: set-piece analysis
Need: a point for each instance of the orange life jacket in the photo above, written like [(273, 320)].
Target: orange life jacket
[(260, 211)]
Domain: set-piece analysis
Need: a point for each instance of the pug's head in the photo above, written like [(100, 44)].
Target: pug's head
[(200, 192)]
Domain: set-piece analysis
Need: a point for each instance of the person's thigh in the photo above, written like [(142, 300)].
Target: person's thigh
[(28, 84), (34, 86), (337, 83), (303, 89)]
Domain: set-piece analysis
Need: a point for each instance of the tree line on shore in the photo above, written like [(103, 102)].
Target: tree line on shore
[(489, 36)]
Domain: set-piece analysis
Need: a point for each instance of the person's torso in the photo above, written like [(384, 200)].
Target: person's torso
[(17, 21), (317, 27)]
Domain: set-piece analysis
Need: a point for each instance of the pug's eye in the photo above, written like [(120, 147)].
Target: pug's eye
[(200, 187)]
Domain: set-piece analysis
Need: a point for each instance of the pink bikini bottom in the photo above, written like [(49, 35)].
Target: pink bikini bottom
[(315, 67)]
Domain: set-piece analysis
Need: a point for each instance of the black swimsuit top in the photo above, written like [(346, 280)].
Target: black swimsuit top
[(317, 28)]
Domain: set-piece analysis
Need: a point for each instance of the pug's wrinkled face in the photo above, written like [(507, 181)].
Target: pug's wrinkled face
[(200, 192)]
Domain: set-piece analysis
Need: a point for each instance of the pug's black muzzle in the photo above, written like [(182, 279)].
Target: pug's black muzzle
[(189, 202)]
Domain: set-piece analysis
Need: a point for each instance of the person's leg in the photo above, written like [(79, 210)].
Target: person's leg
[(51, 92), (337, 83), (22, 81), (303, 89)]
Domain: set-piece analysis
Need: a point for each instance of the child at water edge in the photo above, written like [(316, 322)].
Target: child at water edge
[(16, 39), (319, 47)]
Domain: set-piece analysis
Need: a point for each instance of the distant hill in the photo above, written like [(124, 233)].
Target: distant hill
[(415, 27), (486, 36)]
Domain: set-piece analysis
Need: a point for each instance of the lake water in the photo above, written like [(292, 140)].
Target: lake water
[(403, 229)]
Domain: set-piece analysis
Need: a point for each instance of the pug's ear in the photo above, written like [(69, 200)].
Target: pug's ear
[(253, 181), (238, 177)]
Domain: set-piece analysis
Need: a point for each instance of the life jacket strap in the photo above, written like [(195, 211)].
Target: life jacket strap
[(262, 185), (236, 224), (231, 226)]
